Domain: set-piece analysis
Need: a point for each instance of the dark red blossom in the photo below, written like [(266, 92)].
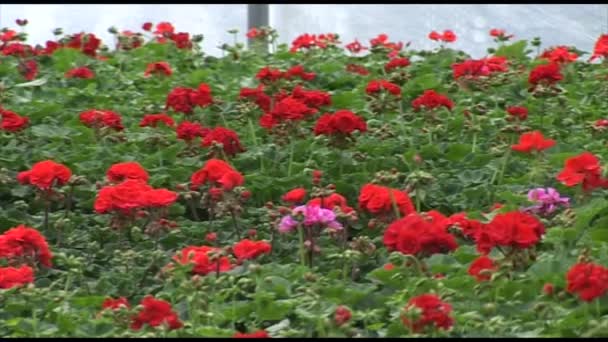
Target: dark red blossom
[(472, 68), (227, 137), (97, 118), (156, 312), (25, 242), (248, 249), (396, 63), (342, 315), (80, 72), (115, 304), (589, 281), (435, 313), (583, 169), (189, 131), (380, 200), (201, 258), (482, 267), (287, 109), (518, 112), (158, 68), (341, 122), (183, 100), (28, 69), (217, 172), (120, 172), (152, 120), (375, 86), (11, 121), (547, 74), (431, 100)]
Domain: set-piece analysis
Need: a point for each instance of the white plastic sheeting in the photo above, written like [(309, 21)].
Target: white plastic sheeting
[(577, 25)]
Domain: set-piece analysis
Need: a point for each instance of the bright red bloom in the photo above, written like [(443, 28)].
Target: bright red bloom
[(342, 315), (472, 68), (467, 226), (258, 95), (533, 141), (287, 109), (258, 334), (12, 276), (295, 196), (482, 263), (254, 33), (199, 256), (518, 112), (8, 35), (29, 69), (375, 86), (87, 43), (396, 63), (181, 40), (154, 313), (124, 197), (268, 74), (545, 74), (298, 71), (157, 198), (512, 229), (434, 313), (420, 235), (588, 280), (312, 98), (158, 68), (120, 172), (17, 49), (308, 41), (217, 172), (377, 200), (211, 237), (601, 47), (96, 118), (584, 168), (248, 249), (45, 174), (188, 131), (341, 122), (548, 289), (147, 26), (355, 47), (330, 202), (81, 72), (357, 69), (499, 33), (227, 137), (382, 40), (601, 123), (183, 100), (11, 121), (560, 55), (115, 304), (152, 120), (25, 242), (432, 100), (448, 36), (163, 28)]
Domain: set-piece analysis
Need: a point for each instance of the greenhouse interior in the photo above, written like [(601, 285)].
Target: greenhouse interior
[(303, 170)]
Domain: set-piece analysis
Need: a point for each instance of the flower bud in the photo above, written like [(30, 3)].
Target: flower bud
[(342, 315)]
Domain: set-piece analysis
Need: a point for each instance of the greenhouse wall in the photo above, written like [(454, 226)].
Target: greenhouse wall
[(577, 25)]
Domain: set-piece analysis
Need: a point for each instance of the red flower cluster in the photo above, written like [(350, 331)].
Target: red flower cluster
[(115, 304), (217, 173), (482, 267), (130, 195), (295, 196), (28, 69), (189, 131), (258, 334), (152, 120), (473, 68), (513, 229), (307, 41), (80, 72), (45, 174), (154, 313), (25, 242), (258, 95), (342, 315), (448, 36), (396, 63), (375, 86), (247, 249), (287, 109), (588, 280), (583, 169), (357, 69), (120, 172), (435, 313), (311, 98), (355, 47), (96, 118), (533, 141), (341, 122), (158, 68), (382, 40), (87, 43), (11, 121), (183, 100), (12, 276), (227, 137), (518, 112), (380, 200), (255, 33), (330, 202), (165, 30), (199, 257), (548, 74), (431, 100), (500, 34), (420, 235), (601, 47), (559, 55), (269, 75)]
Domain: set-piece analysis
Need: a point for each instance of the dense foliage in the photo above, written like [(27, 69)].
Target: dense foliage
[(314, 190)]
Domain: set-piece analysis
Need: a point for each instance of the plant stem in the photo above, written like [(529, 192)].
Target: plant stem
[(291, 147), (47, 205), (235, 224), (193, 209), (302, 251)]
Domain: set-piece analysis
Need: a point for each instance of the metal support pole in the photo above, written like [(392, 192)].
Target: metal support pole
[(257, 15)]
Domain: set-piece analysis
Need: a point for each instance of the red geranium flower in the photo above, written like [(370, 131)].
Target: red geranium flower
[(124, 197), (96, 118), (12, 276), (545, 74), (533, 141), (375, 86), (247, 249), (601, 47), (29, 69), (287, 109), (500, 34), (295, 196), (396, 63), (588, 280), (152, 120), (45, 174), (25, 242), (342, 315), (357, 69), (331, 201), (115, 304), (298, 71), (227, 137), (482, 263), (584, 168), (188, 131), (258, 334), (267, 74), (154, 313), (518, 112), (158, 68), (355, 47), (560, 55), (11, 121), (217, 172), (377, 200), (120, 172), (341, 122), (147, 26), (258, 95), (512, 229), (472, 68), (435, 313), (432, 100), (183, 100), (199, 256), (253, 33), (81, 72), (163, 28), (448, 36)]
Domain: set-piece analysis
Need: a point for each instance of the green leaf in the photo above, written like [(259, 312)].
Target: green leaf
[(516, 50)]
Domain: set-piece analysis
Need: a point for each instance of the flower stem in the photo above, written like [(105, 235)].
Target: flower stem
[(302, 251)]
